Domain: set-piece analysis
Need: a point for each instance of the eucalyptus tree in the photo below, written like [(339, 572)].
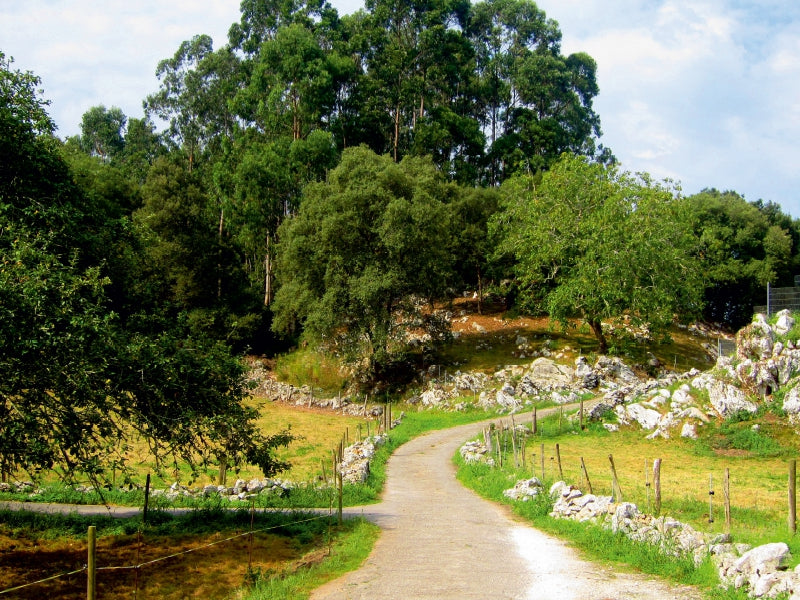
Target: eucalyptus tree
[(103, 132), (261, 20), (193, 99), (293, 85), (537, 102)]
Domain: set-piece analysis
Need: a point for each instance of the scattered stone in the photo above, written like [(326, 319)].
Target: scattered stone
[(524, 489)]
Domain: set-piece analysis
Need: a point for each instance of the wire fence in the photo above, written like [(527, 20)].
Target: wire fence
[(780, 298), (91, 570)]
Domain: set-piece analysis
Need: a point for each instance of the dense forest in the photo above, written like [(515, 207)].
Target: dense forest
[(330, 179)]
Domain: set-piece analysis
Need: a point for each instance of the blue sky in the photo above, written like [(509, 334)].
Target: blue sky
[(704, 92)]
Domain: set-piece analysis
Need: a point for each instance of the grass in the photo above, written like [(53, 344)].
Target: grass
[(287, 552), (688, 468), (596, 542), (346, 554), (758, 475), (306, 366), (412, 425), (317, 433)]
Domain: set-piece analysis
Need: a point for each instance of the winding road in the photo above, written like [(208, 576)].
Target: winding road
[(441, 541)]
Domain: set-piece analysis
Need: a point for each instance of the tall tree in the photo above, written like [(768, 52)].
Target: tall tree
[(102, 132), (595, 243), (196, 85), (538, 102)]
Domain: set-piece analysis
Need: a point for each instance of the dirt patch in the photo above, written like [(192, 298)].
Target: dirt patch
[(207, 571)]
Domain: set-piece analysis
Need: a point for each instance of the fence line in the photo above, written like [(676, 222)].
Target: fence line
[(46, 579), (162, 558), (781, 298)]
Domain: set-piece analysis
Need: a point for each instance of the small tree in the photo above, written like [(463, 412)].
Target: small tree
[(593, 242), (361, 247)]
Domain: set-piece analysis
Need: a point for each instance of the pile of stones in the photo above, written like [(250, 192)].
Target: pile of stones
[(761, 570), (356, 459)]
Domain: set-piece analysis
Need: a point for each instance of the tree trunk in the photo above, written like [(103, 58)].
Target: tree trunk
[(480, 291), (219, 255), (597, 329), (267, 274), (396, 130)]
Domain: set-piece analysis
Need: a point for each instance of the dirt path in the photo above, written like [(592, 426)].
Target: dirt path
[(441, 541)]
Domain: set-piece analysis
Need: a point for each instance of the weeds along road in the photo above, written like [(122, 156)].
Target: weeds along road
[(441, 541)]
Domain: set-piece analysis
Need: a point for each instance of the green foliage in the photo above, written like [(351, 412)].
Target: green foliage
[(349, 547), (309, 367), (742, 246), (738, 433), (82, 371), (594, 243), (362, 246), (596, 542), (102, 132)]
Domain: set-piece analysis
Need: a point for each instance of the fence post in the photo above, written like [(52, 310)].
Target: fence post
[(726, 493), (710, 498), (586, 475), (222, 474), (657, 486), (558, 458), (91, 581), (533, 422), (793, 496), (542, 455), (514, 442), (615, 489), (146, 498), (341, 481)]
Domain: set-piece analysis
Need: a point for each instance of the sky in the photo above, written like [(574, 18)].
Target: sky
[(703, 92)]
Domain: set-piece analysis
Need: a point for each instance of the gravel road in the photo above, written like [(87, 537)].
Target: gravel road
[(441, 541)]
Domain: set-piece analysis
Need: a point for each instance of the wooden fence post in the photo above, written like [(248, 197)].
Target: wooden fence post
[(793, 496), (222, 474), (558, 458), (341, 482), (91, 581), (616, 490), (657, 486), (726, 493), (586, 475), (710, 498), (146, 498), (533, 422), (542, 455)]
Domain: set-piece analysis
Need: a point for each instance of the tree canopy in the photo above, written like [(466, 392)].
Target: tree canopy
[(362, 248), (594, 242), (84, 372)]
